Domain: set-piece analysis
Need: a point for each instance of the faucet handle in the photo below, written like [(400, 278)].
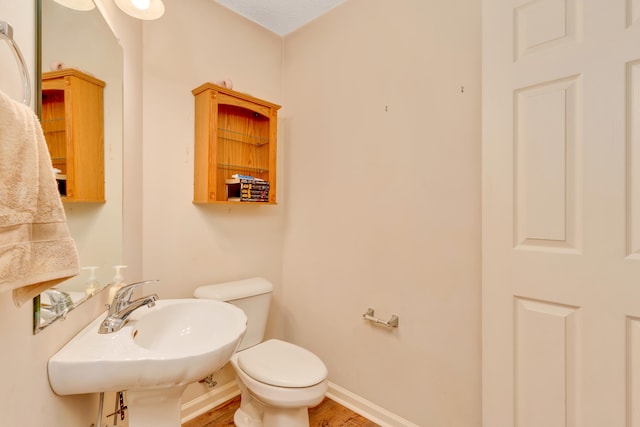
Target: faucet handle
[(124, 294)]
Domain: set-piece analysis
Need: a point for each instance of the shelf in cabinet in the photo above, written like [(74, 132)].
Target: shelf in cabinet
[(237, 202), (242, 168), (50, 126), (229, 135)]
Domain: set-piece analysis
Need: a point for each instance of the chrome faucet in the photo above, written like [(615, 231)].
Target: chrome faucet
[(121, 307), (60, 302)]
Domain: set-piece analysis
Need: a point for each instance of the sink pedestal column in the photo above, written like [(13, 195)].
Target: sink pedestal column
[(155, 408)]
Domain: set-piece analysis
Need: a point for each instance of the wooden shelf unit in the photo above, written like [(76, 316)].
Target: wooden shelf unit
[(73, 125), (235, 133)]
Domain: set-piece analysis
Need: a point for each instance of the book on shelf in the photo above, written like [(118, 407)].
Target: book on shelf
[(252, 194), (252, 188), (245, 177), (253, 182), (253, 191)]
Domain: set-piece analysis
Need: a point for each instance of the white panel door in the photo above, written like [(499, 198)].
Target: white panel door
[(561, 213)]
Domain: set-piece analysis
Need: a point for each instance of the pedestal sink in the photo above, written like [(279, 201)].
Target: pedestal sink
[(153, 357)]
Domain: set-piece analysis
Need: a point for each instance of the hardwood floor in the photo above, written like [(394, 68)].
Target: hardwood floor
[(327, 414), (220, 416), (330, 414)]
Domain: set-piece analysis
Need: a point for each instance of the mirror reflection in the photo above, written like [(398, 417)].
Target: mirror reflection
[(83, 41)]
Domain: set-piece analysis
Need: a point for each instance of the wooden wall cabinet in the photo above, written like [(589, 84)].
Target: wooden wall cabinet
[(235, 133), (73, 125)]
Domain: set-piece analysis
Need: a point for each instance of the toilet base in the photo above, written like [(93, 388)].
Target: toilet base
[(285, 417), (250, 416), (254, 413), (242, 418)]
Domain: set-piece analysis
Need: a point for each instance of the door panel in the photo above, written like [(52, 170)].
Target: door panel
[(633, 159), (545, 122), (545, 357)]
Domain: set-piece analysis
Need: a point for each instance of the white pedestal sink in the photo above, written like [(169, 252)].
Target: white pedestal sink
[(153, 357)]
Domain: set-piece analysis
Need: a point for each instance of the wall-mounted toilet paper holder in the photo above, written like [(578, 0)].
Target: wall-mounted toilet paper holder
[(391, 323)]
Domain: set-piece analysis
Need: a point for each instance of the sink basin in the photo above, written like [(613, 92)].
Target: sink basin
[(153, 357)]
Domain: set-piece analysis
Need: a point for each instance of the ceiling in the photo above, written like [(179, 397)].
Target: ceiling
[(280, 16)]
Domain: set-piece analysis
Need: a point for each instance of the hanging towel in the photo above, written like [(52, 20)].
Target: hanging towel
[(36, 249)]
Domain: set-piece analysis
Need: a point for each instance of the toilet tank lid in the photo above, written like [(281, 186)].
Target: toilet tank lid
[(229, 291)]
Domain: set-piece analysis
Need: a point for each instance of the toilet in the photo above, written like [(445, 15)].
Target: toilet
[(278, 380)]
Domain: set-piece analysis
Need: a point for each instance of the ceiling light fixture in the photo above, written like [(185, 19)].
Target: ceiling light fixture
[(82, 5), (141, 9)]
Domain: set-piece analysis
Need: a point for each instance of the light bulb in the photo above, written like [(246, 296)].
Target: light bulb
[(141, 4), (141, 9)]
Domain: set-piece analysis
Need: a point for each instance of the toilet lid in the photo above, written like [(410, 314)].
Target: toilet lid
[(282, 364)]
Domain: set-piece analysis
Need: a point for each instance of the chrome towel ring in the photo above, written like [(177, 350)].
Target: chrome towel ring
[(6, 33)]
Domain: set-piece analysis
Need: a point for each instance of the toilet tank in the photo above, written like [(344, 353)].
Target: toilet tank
[(253, 296)]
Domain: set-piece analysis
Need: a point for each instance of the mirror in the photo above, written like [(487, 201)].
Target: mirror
[(83, 40)]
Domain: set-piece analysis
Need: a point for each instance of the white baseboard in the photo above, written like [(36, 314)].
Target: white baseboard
[(210, 400), (357, 404), (367, 409)]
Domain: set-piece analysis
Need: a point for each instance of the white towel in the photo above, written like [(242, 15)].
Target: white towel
[(36, 249)]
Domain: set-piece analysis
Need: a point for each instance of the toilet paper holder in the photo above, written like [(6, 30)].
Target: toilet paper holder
[(391, 323)]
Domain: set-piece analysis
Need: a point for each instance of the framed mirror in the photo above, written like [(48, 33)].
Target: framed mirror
[(83, 40)]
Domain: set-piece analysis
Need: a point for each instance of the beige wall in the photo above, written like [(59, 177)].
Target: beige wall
[(379, 198), (187, 245), (382, 202)]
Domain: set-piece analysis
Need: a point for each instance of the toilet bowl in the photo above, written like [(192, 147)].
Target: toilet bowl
[(278, 380)]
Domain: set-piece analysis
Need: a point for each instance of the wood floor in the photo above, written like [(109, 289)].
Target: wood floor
[(327, 414)]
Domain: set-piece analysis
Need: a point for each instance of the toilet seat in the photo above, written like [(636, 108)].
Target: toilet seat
[(282, 364)]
